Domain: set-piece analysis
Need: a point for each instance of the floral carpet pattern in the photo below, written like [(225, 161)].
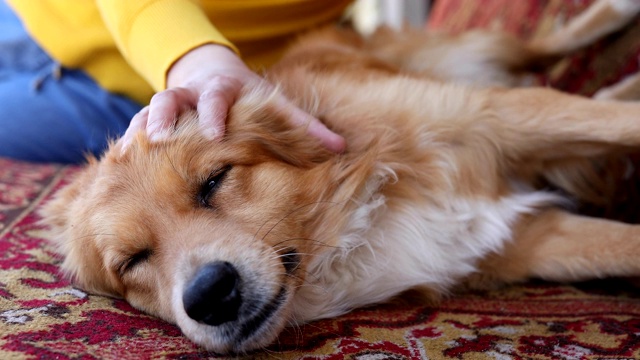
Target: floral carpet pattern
[(43, 317)]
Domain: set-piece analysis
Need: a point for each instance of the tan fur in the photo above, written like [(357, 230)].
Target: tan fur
[(422, 144)]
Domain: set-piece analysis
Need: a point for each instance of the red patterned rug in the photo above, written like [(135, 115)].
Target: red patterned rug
[(43, 317)]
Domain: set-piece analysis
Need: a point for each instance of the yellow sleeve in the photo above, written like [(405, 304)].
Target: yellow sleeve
[(153, 34)]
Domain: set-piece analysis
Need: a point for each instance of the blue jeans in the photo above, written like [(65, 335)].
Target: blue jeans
[(49, 113)]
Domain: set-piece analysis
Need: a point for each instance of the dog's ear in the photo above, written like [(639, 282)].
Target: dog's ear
[(59, 212), (55, 213), (257, 118), (64, 217)]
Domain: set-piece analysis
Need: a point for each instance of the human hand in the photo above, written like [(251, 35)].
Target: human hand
[(209, 79)]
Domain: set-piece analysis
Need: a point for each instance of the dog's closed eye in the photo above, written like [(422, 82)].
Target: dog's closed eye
[(134, 260), (208, 188)]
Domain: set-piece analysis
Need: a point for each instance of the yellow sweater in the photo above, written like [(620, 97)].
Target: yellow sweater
[(128, 46)]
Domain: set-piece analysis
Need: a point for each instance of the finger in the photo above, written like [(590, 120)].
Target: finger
[(214, 103), (164, 109), (315, 127), (138, 122), (328, 138)]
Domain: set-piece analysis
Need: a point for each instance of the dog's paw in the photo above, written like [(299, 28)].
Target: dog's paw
[(627, 89)]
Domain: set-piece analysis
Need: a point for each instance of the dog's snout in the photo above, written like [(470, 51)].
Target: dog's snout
[(213, 295)]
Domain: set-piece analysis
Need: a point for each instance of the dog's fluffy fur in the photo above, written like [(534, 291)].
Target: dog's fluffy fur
[(438, 188)]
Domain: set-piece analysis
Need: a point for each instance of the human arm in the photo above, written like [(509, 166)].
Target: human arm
[(209, 79), (196, 67)]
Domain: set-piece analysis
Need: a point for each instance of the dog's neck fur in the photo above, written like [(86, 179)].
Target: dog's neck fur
[(389, 244)]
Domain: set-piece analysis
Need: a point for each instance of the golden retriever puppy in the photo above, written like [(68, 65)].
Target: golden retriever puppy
[(233, 240)]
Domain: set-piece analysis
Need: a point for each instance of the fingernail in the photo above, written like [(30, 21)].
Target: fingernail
[(210, 133), (337, 144), (124, 147), (330, 140)]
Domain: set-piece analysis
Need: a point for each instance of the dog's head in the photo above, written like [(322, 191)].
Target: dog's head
[(211, 235)]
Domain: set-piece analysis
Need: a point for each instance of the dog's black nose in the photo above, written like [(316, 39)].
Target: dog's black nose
[(213, 295)]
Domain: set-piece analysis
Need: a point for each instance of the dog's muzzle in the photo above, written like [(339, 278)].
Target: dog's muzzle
[(234, 307)]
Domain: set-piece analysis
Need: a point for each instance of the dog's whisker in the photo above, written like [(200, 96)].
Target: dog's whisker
[(279, 256), (317, 242), (297, 268), (271, 353), (297, 331), (294, 323), (309, 285), (332, 203), (170, 161), (93, 235)]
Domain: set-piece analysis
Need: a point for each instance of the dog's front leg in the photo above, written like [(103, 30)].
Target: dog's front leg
[(547, 125), (627, 89), (559, 246)]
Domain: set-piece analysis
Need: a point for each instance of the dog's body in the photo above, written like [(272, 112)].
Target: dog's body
[(233, 240)]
